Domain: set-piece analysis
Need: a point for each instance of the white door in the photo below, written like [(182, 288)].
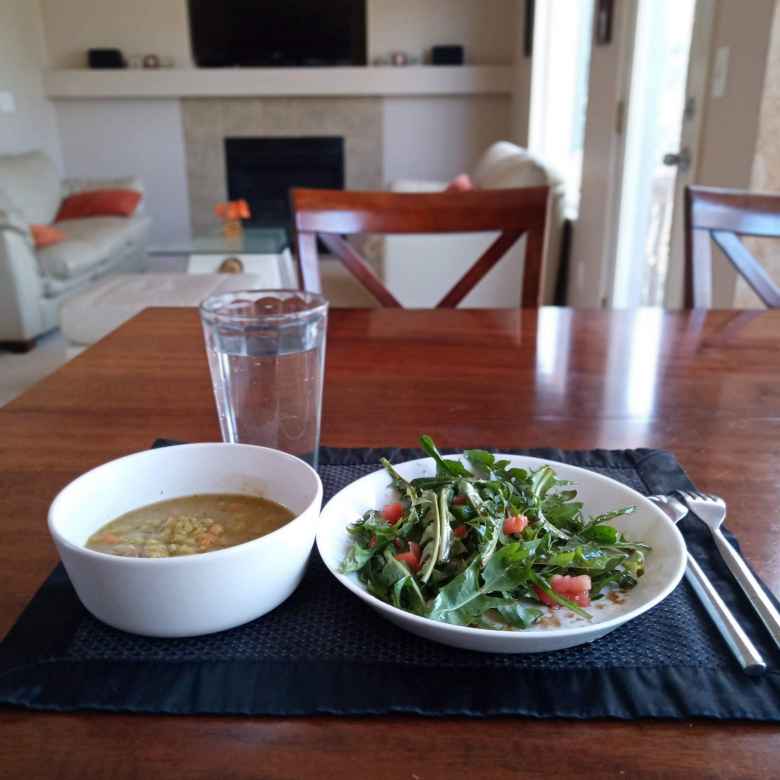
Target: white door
[(628, 247)]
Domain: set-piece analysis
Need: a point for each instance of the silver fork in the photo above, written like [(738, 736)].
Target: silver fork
[(711, 510), (738, 641)]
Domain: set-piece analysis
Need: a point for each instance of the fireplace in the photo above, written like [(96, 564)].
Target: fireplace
[(262, 171)]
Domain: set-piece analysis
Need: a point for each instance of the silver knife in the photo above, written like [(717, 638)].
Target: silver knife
[(738, 641)]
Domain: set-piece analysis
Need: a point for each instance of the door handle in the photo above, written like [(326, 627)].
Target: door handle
[(681, 159)]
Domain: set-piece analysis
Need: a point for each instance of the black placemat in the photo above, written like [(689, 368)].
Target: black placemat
[(324, 651)]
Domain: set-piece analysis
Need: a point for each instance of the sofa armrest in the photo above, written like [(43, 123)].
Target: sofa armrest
[(11, 221), (21, 288)]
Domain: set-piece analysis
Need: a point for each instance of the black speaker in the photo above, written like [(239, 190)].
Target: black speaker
[(447, 55), (105, 59)]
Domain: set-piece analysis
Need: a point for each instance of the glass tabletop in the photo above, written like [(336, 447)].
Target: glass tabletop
[(252, 241)]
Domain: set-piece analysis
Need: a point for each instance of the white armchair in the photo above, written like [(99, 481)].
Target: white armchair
[(420, 269), (34, 283)]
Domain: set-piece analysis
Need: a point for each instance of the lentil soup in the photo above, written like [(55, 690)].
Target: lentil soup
[(189, 525)]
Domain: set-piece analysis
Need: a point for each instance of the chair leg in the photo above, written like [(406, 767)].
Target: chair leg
[(20, 347)]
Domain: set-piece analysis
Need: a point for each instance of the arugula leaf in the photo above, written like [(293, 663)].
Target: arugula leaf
[(603, 534), (507, 569), (444, 467), (431, 537), (457, 593), (517, 615), (445, 532), (542, 480), (463, 599), (607, 516), (562, 512), (407, 585), (357, 557), (491, 522), (402, 484), (481, 457)]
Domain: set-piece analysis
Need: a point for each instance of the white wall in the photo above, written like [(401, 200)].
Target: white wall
[(484, 27), (132, 137), (423, 137), (134, 26), (731, 122), (22, 57), (439, 137), (161, 27)]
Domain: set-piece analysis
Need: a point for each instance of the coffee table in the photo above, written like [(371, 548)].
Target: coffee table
[(264, 251)]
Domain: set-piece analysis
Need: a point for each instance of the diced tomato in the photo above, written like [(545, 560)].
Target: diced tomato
[(575, 588), (410, 559), (412, 556), (459, 500), (393, 512), (565, 583), (372, 543), (461, 531), (581, 599), (515, 524), (544, 598)]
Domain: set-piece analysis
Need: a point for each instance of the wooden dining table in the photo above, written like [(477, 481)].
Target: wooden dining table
[(704, 385)]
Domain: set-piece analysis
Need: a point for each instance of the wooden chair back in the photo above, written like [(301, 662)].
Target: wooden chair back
[(332, 214), (724, 216)]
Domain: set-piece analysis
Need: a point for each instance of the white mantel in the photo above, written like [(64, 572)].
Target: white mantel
[(278, 82)]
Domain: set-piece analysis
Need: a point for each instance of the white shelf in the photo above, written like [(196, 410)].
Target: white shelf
[(259, 82)]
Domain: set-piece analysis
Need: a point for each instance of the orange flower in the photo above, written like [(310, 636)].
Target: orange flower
[(232, 210)]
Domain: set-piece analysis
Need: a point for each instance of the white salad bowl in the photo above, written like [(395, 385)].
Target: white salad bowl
[(664, 568), (191, 594)]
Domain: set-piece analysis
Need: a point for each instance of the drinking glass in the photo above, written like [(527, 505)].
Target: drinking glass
[(266, 352)]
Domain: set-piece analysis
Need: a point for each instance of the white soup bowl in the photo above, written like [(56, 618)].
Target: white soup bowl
[(191, 594)]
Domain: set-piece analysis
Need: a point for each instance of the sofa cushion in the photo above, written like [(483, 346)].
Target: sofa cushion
[(99, 203), (90, 242), (69, 259), (32, 183), (506, 165), (46, 235), (108, 233)]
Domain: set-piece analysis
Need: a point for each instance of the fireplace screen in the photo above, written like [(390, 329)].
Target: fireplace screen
[(262, 171)]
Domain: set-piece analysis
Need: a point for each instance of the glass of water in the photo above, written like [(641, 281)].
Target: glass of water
[(266, 351)]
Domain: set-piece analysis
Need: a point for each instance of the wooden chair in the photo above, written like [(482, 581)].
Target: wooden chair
[(332, 214), (724, 216)]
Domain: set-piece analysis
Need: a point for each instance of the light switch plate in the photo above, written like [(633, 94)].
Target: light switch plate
[(720, 72), (7, 103)]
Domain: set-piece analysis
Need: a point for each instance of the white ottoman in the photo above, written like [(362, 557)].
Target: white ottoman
[(87, 317)]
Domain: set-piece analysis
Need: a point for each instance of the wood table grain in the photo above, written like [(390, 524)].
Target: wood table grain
[(704, 385)]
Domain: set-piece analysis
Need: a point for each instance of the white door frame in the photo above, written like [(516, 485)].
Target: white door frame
[(595, 235), (594, 245), (690, 138)]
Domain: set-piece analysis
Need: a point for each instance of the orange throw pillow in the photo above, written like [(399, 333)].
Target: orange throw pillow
[(461, 183), (99, 203), (46, 235)]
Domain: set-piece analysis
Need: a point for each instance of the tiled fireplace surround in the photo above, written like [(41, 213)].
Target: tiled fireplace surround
[(208, 121)]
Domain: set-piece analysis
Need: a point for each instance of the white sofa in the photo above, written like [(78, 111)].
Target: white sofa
[(420, 269), (34, 284)]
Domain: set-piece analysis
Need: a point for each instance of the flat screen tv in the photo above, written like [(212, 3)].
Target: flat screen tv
[(282, 33)]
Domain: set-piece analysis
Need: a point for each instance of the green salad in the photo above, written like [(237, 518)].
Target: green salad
[(489, 546)]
